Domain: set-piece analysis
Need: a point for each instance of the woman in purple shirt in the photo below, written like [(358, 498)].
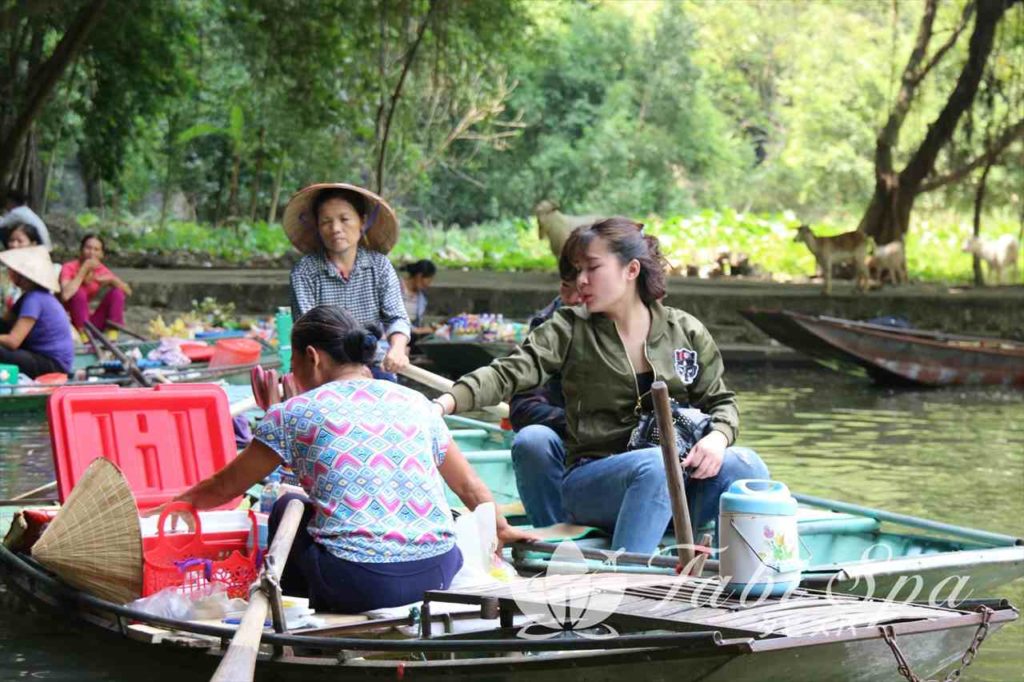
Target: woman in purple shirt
[(39, 339)]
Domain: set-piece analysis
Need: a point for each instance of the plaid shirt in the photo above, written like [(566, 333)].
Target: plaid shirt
[(372, 293)]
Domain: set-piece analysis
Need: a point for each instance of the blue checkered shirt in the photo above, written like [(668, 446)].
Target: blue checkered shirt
[(372, 293)]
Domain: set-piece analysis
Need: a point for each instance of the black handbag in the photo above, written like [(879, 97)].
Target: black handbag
[(690, 426)]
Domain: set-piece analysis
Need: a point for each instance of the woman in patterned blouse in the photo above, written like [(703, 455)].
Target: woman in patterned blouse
[(346, 232), (374, 458)]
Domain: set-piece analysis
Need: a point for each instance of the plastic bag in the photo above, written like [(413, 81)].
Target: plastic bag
[(167, 603), (476, 535), (211, 603)]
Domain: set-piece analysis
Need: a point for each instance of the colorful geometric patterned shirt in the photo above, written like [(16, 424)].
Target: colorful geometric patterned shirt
[(367, 453)]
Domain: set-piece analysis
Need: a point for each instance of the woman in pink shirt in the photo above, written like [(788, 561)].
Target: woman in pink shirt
[(82, 280)]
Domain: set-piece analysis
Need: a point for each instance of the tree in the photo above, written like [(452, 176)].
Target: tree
[(32, 76), (887, 217)]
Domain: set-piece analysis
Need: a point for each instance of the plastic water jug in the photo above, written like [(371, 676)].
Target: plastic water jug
[(757, 529), (283, 324)]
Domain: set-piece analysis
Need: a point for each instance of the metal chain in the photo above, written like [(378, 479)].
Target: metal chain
[(903, 665)]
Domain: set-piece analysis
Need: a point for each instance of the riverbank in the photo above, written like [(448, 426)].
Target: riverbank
[(992, 311)]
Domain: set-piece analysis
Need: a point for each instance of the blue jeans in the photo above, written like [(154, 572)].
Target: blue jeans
[(627, 494), (538, 458)]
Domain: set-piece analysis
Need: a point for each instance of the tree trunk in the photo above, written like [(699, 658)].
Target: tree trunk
[(43, 80), (979, 200), (888, 214), (254, 189), (236, 170), (275, 195), (171, 158)]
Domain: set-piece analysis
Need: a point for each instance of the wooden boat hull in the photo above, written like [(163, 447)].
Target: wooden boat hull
[(896, 356), (455, 358), (123, 643), (847, 548)]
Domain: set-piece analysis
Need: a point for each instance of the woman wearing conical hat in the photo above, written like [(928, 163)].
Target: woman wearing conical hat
[(346, 232), (39, 339)]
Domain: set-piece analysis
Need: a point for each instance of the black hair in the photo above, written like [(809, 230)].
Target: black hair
[(92, 235), (627, 241), (333, 330), (357, 200), (30, 231), (423, 267)]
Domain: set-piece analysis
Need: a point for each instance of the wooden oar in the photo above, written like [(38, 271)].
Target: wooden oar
[(673, 473), (126, 330), (52, 485), (239, 663), (440, 383), (133, 369)]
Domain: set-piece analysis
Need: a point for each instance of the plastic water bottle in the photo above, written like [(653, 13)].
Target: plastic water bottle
[(271, 491), (283, 322)]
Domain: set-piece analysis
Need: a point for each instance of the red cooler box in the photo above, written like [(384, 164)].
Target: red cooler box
[(164, 440)]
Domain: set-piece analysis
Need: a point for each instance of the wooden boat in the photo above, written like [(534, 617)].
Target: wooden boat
[(848, 547), (662, 627), (892, 355), (657, 628), (32, 397), (453, 358)]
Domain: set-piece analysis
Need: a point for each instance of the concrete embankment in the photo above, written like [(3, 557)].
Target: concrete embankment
[(990, 311)]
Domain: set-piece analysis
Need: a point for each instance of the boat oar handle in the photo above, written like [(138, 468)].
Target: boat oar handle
[(673, 472), (444, 385), (239, 663), (97, 336)]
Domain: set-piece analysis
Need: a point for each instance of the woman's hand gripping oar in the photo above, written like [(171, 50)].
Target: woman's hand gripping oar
[(439, 383), (239, 663)]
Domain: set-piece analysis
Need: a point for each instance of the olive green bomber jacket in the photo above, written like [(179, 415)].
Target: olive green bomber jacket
[(598, 380)]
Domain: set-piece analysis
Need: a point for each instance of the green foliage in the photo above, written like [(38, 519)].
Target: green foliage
[(933, 251), (688, 108), (238, 244)]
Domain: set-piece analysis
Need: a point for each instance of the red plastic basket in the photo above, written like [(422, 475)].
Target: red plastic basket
[(191, 562)]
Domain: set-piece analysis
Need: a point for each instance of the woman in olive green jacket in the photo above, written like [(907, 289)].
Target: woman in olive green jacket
[(609, 350)]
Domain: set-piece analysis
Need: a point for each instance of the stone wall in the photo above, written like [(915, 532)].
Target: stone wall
[(992, 311)]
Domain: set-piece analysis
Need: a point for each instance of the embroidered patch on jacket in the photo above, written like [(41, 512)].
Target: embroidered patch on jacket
[(686, 365)]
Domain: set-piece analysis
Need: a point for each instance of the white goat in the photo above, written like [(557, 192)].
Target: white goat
[(889, 258), (1000, 254), (556, 226)]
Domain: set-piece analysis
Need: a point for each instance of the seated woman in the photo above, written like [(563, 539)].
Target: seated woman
[(418, 278), (81, 281), (374, 458), (38, 339), (609, 351), (346, 232), (18, 236)]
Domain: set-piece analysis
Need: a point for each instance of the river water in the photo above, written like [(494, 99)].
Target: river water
[(954, 455)]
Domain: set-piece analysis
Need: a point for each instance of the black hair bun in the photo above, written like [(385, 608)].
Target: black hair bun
[(360, 345)]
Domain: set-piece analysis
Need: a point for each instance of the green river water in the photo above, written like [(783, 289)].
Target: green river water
[(955, 456)]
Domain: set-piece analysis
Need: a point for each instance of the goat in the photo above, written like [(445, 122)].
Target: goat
[(998, 253), (827, 250), (555, 226), (889, 259)]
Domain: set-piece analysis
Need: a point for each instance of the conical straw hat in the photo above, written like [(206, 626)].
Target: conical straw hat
[(300, 223), (95, 542), (34, 263)]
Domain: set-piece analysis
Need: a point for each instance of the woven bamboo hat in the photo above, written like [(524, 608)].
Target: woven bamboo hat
[(34, 263), (95, 542), (380, 224)]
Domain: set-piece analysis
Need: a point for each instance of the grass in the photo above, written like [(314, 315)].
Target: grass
[(933, 244)]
